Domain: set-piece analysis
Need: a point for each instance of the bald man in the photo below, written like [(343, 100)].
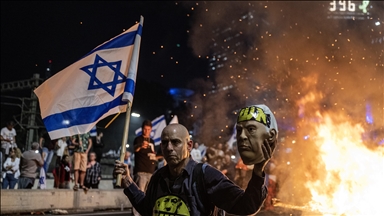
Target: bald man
[(178, 189)]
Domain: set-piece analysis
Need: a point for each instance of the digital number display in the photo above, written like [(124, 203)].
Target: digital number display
[(349, 10)]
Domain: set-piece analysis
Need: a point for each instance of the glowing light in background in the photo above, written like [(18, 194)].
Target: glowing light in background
[(137, 115)]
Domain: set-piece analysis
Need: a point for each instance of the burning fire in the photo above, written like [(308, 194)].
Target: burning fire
[(343, 174), (338, 168), (352, 181)]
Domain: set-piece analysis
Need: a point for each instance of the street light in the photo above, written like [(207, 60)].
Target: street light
[(135, 115)]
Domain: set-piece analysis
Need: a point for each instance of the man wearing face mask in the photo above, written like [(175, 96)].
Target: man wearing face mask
[(199, 189)]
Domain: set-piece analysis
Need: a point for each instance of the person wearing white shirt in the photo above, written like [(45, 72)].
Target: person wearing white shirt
[(61, 145), (11, 165), (196, 153), (8, 138)]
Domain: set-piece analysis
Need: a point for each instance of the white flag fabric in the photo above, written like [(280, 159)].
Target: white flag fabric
[(93, 132), (158, 124), (233, 138), (98, 85), (42, 180)]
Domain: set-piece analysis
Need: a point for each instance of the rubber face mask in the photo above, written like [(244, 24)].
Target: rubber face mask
[(253, 131)]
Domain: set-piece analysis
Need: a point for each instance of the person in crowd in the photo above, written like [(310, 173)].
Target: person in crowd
[(62, 173), (12, 172), (30, 161), (218, 163), (48, 147), (93, 175), (71, 151), (219, 151), (211, 154), (227, 149), (228, 168), (98, 146), (145, 158), (83, 143), (196, 153), (169, 191), (18, 152), (8, 139), (61, 147)]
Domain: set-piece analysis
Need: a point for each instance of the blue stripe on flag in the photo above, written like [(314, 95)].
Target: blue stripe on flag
[(80, 116), (157, 140), (124, 40), (158, 121)]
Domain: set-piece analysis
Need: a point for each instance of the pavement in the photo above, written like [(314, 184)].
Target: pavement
[(107, 212), (278, 211)]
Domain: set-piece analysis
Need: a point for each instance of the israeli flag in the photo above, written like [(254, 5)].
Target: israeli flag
[(158, 124), (98, 85), (232, 140), (93, 132)]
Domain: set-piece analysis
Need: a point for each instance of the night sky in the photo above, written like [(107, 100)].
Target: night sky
[(32, 33)]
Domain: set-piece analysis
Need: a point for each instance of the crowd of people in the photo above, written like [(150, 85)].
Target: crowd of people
[(75, 162)]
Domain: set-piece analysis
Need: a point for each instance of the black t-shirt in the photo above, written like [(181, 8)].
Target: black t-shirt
[(143, 162)]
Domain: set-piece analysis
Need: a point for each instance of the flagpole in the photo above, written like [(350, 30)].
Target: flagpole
[(126, 128), (125, 139), (110, 122)]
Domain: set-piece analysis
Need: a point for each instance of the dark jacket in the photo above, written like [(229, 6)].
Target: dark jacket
[(180, 197)]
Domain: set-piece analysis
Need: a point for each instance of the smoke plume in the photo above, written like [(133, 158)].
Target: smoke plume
[(290, 52)]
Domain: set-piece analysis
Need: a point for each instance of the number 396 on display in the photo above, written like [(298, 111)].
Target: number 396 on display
[(342, 6)]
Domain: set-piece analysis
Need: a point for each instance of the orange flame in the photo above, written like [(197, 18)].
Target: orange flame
[(333, 171), (352, 178)]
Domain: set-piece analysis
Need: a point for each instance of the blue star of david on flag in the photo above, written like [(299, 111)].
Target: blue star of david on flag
[(95, 83)]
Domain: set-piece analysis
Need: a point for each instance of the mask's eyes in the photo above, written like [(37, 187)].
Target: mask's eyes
[(251, 129)]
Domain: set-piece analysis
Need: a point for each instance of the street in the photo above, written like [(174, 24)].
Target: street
[(278, 211)]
